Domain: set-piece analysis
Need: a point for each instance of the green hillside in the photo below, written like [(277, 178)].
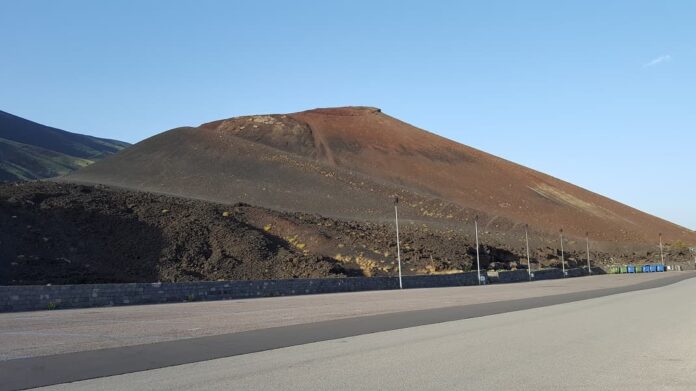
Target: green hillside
[(33, 151)]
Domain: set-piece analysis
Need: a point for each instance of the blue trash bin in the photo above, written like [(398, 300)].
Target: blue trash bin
[(653, 268), (646, 268), (660, 268), (631, 269)]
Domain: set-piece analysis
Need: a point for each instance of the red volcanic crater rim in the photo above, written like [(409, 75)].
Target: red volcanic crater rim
[(344, 111), (347, 162)]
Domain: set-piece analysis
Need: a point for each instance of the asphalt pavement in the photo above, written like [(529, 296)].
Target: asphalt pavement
[(639, 340), (90, 364), (43, 333)]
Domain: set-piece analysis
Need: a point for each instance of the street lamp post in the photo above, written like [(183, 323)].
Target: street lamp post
[(589, 267), (398, 245), (529, 263), (478, 258), (562, 255), (662, 254)]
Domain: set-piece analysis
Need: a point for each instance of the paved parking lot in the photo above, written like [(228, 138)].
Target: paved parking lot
[(32, 334), (630, 341)]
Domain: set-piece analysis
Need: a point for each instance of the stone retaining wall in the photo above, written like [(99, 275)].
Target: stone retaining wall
[(546, 274), (43, 297), (513, 276)]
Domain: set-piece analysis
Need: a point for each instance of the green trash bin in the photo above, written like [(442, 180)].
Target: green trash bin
[(639, 269), (624, 269)]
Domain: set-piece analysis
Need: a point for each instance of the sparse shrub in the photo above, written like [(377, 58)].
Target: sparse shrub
[(52, 306), (680, 247)]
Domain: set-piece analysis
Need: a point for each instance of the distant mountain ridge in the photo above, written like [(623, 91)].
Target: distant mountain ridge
[(29, 150)]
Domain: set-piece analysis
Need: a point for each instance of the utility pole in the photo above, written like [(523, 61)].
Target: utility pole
[(529, 263), (589, 267), (562, 254), (398, 245), (478, 258)]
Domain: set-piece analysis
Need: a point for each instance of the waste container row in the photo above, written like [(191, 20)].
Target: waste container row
[(637, 269)]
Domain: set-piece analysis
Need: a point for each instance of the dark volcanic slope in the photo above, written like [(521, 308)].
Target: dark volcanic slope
[(347, 162), (33, 151), (51, 233), (65, 233)]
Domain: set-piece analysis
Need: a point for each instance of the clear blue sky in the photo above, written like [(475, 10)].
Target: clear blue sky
[(599, 93)]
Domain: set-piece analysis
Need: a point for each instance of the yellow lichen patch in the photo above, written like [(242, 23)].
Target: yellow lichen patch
[(294, 241), (558, 195), (367, 265), (427, 213), (430, 271), (267, 227), (263, 119)]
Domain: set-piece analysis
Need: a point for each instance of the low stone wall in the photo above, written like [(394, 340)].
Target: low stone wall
[(43, 297), (546, 274), (598, 270), (513, 276)]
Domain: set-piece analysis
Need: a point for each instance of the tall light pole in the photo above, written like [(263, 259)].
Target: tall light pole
[(478, 259), (662, 254), (589, 267), (398, 245), (529, 263), (562, 254)]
